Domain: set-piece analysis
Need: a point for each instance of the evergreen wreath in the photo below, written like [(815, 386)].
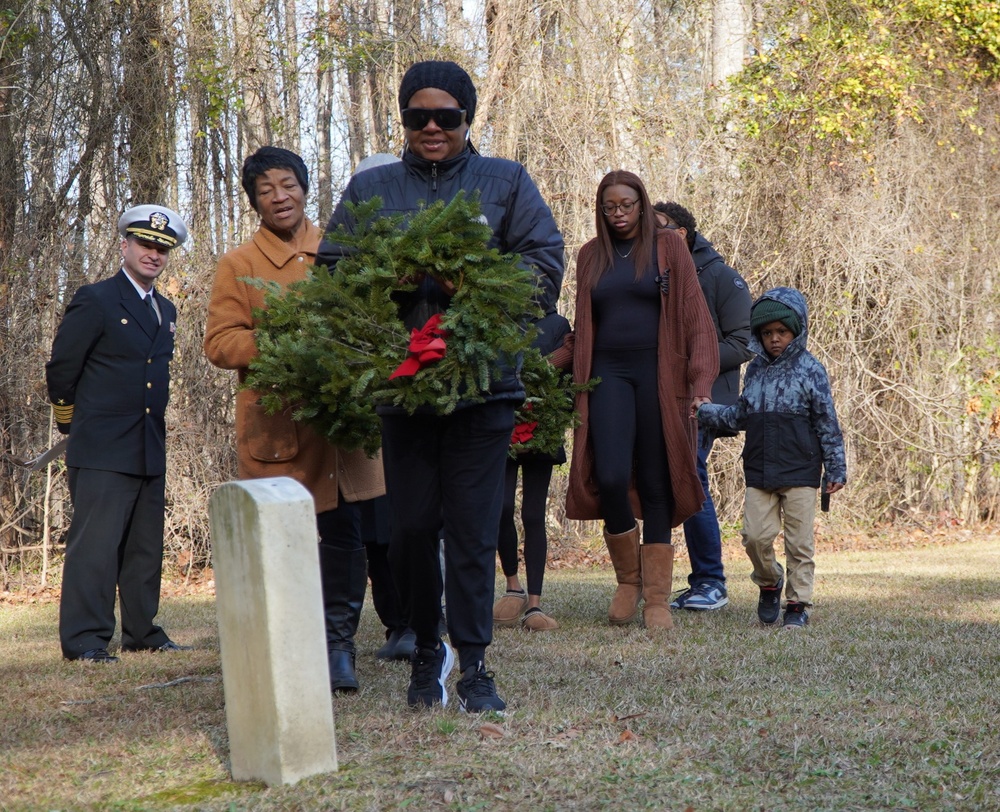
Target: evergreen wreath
[(549, 406), (329, 345)]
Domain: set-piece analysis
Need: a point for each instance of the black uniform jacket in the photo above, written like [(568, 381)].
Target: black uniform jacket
[(112, 365)]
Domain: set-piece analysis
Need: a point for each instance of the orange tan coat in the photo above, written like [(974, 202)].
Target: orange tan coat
[(275, 445)]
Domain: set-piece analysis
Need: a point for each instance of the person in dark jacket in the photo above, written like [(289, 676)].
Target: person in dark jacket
[(536, 474), (793, 446), (399, 639), (450, 468), (108, 379), (728, 300)]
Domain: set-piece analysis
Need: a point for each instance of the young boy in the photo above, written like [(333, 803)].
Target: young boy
[(792, 434)]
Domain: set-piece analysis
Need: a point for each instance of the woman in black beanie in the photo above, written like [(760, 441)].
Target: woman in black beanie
[(449, 469)]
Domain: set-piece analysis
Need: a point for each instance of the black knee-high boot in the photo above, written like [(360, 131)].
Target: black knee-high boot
[(344, 578)]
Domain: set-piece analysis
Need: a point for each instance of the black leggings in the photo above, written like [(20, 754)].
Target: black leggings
[(627, 433), (535, 478)]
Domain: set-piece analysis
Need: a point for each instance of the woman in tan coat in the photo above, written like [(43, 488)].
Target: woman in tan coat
[(643, 328), (284, 246)]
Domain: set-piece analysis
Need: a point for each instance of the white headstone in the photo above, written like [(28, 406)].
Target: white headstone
[(279, 711)]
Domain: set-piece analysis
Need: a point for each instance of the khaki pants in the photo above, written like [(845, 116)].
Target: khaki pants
[(763, 515)]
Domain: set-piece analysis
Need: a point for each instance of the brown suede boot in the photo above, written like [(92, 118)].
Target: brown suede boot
[(657, 579), (624, 551)]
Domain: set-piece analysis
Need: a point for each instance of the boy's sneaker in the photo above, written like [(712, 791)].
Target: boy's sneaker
[(796, 616), (477, 692), (430, 669), (704, 596), (681, 599), (769, 604)]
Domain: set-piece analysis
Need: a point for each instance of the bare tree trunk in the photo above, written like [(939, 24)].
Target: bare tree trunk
[(549, 30), (381, 86), (200, 42), (356, 82), (624, 87), (11, 176), (729, 39), (290, 80), (455, 25), (327, 28), (509, 25), (406, 27), (146, 97), (253, 68)]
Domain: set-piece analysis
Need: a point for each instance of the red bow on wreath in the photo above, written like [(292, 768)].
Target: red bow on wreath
[(426, 346), (523, 432)]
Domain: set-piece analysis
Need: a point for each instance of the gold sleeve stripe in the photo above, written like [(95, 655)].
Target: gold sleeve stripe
[(64, 414)]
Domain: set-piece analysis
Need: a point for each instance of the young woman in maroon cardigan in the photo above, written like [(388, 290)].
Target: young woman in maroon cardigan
[(643, 328)]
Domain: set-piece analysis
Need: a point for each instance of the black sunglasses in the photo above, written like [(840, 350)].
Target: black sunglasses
[(447, 118)]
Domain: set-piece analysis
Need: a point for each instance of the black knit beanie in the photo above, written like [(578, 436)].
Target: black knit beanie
[(768, 310), (446, 76)]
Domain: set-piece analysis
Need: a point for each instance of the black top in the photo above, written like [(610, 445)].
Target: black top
[(626, 312)]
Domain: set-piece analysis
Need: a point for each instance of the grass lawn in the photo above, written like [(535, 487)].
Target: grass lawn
[(889, 700)]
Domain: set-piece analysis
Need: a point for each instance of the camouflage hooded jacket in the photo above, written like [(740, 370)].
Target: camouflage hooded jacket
[(787, 411)]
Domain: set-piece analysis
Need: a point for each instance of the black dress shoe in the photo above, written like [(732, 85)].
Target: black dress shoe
[(398, 646), (96, 655), (342, 676), (404, 647), (170, 645), (388, 651)]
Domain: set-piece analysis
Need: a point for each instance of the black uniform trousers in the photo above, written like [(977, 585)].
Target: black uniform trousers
[(447, 470), (115, 540)]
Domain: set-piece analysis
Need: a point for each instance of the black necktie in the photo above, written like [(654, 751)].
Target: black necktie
[(148, 298)]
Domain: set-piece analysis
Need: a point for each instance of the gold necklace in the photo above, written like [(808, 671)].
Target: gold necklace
[(627, 253)]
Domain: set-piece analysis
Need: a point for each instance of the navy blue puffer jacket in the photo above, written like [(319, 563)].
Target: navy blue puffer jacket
[(521, 221)]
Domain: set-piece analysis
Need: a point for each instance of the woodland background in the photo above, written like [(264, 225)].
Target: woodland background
[(846, 147)]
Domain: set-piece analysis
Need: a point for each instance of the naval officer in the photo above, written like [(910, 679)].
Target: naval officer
[(108, 379)]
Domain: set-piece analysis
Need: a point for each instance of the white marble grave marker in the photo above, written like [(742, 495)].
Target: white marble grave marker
[(279, 711)]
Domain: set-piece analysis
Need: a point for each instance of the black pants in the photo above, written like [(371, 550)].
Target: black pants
[(375, 534), (627, 434), (535, 478), (115, 541), (342, 572), (447, 470)]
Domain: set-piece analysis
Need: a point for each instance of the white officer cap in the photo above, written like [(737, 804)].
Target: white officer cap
[(156, 224)]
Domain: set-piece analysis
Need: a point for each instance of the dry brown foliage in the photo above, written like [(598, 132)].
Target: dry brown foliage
[(895, 246)]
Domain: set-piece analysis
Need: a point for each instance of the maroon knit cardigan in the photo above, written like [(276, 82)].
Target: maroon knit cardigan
[(688, 363)]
